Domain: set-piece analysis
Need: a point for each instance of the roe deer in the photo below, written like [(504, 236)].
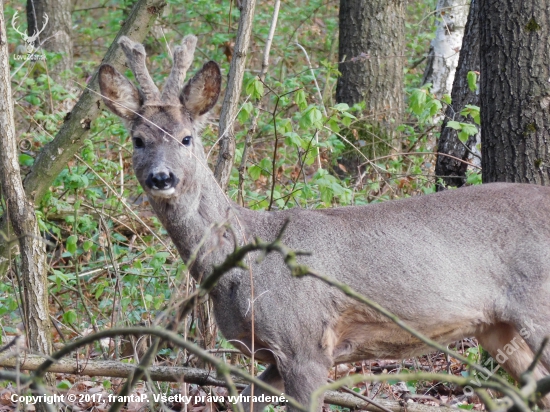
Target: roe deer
[(467, 262)]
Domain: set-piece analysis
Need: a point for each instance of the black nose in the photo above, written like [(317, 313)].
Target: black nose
[(160, 180)]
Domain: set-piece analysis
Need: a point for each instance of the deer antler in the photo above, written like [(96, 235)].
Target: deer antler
[(35, 35), (135, 53), (16, 28), (183, 58)]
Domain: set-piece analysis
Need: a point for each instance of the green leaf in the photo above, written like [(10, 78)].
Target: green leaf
[(71, 244), (417, 101), (26, 160), (99, 291), (341, 107), (265, 164), (434, 106), (469, 129), (473, 178), (255, 88), (254, 172), (87, 245), (300, 99), (473, 112), (446, 99), (70, 316), (333, 125), (327, 195), (312, 116), (64, 384), (472, 80), (244, 114), (284, 126), (454, 125), (293, 138)]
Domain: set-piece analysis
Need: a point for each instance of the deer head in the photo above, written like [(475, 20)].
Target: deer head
[(168, 156), (29, 40)]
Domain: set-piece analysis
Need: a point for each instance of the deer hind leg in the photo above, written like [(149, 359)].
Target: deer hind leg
[(272, 377), (506, 346)]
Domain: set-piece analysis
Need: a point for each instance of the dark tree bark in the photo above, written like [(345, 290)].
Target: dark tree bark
[(371, 53), (454, 171), (32, 250), (515, 91), (56, 36)]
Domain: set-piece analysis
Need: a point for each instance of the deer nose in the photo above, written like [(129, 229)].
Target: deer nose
[(161, 180)]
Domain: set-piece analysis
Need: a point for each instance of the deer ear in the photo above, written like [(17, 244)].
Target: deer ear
[(201, 93), (118, 93)]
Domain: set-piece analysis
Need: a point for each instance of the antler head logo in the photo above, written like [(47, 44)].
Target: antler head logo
[(29, 40)]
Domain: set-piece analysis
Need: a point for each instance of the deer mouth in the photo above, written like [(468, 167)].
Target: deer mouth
[(165, 193)]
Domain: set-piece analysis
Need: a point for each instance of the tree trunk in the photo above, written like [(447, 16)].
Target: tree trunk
[(444, 50), (515, 91), (452, 171), (232, 94), (54, 156), (56, 36), (20, 210), (371, 54)]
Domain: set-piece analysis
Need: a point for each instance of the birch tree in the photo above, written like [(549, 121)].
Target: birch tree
[(445, 47)]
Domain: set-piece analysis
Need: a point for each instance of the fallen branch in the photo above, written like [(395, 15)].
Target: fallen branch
[(115, 369), (354, 403)]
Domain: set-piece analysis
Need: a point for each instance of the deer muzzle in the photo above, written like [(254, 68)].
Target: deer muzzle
[(162, 184)]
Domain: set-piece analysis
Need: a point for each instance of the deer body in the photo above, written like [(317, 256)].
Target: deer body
[(469, 262)]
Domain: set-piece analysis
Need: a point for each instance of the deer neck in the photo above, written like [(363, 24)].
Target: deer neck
[(197, 222)]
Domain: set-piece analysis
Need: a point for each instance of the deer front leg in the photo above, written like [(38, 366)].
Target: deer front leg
[(304, 374), (270, 376)]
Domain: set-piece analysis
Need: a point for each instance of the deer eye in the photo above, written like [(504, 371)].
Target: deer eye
[(186, 140), (138, 142)]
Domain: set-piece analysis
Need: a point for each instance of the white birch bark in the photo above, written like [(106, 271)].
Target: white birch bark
[(445, 47)]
